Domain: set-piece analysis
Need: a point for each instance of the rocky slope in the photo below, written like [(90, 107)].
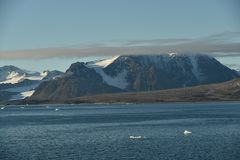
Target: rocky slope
[(78, 80), (226, 91)]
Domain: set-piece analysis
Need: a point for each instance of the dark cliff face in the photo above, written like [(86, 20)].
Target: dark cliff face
[(143, 73), (78, 81), (164, 71), (213, 71)]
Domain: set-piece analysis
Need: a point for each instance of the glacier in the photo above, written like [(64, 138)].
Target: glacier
[(118, 81)]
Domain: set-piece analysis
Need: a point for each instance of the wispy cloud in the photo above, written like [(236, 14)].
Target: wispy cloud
[(223, 44)]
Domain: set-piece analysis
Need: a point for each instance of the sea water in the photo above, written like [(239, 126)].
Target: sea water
[(123, 131)]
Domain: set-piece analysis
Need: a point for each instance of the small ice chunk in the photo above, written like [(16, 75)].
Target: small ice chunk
[(186, 132), (136, 137)]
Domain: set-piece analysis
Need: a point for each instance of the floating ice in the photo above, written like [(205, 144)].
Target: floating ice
[(186, 132), (136, 137)]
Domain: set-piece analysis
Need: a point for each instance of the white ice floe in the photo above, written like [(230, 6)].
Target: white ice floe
[(136, 137), (186, 132)]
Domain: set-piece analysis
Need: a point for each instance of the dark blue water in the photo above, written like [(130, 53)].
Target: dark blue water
[(102, 132)]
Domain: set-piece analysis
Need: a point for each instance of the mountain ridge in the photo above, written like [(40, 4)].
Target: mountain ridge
[(135, 74)]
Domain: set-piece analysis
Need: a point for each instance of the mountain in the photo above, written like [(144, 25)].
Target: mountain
[(16, 83), (146, 73), (134, 74), (78, 80), (12, 74)]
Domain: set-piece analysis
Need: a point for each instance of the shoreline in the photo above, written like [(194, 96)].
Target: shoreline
[(119, 103)]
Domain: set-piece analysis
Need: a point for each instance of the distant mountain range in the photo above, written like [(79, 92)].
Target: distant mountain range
[(134, 74), (114, 75), (16, 83)]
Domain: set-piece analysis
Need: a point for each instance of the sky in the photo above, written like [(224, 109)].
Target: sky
[(52, 34)]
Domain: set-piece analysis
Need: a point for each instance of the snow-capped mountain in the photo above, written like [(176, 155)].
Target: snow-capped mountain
[(135, 73), (144, 73), (11, 74), (17, 83), (48, 75)]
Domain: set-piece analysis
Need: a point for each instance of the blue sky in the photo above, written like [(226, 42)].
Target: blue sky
[(43, 24)]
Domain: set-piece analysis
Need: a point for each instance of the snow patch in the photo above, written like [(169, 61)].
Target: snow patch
[(44, 74), (173, 54), (118, 81), (22, 95), (103, 63), (13, 77), (23, 92), (195, 69), (35, 78)]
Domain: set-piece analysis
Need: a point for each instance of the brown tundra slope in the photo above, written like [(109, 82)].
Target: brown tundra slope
[(227, 91)]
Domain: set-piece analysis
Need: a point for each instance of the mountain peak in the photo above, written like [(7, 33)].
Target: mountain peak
[(10, 68), (76, 66), (102, 63)]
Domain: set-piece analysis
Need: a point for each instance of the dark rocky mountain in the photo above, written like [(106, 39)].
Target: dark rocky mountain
[(78, 80), (146, 73), (135, 73)]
